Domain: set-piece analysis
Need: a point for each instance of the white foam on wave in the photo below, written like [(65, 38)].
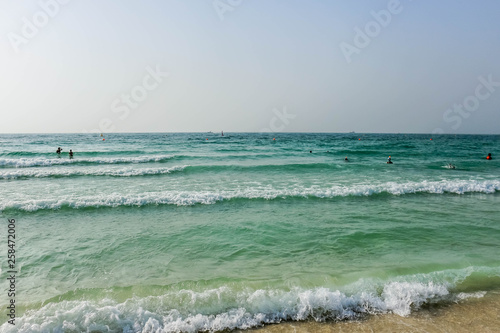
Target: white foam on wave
[(224, 308), (185, 198), (34, 162), (123, 172)]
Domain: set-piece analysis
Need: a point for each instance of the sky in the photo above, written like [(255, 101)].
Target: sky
[(368, 66)]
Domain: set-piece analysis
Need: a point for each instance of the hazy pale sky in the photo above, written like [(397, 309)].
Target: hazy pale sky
[(403, 66)]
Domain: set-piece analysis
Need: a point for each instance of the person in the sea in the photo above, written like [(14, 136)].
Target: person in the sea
[(489, 157), (70, 153), (346, 159), (389, 161), (59, 150)]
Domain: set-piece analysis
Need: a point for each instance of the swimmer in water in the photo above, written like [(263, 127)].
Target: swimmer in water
[(346, 159), (451, 166), (59, 150), (489, 157), (70, 153), (389, 161)]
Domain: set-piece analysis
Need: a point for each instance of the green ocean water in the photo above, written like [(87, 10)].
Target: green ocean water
[(202, 232)]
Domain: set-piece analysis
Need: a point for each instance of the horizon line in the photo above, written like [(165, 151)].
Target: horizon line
[(243, 132)]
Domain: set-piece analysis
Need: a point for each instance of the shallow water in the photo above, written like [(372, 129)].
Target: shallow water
[(173, 232)]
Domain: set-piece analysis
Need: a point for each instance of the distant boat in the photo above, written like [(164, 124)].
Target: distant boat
[(222, 133), (352, 132)]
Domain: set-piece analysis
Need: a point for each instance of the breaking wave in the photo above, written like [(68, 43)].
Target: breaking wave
[(56, 173), (186, 198), (228, 308), (46, 162)]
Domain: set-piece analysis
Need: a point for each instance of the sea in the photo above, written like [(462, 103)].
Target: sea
[(199, 232)]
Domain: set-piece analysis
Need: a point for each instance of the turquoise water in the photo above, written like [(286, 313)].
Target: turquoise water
[(174, 232)]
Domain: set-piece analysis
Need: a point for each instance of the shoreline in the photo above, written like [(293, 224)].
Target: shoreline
[(471, 315)]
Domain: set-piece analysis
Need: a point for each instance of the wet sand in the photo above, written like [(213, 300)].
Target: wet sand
[(472, 315)]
